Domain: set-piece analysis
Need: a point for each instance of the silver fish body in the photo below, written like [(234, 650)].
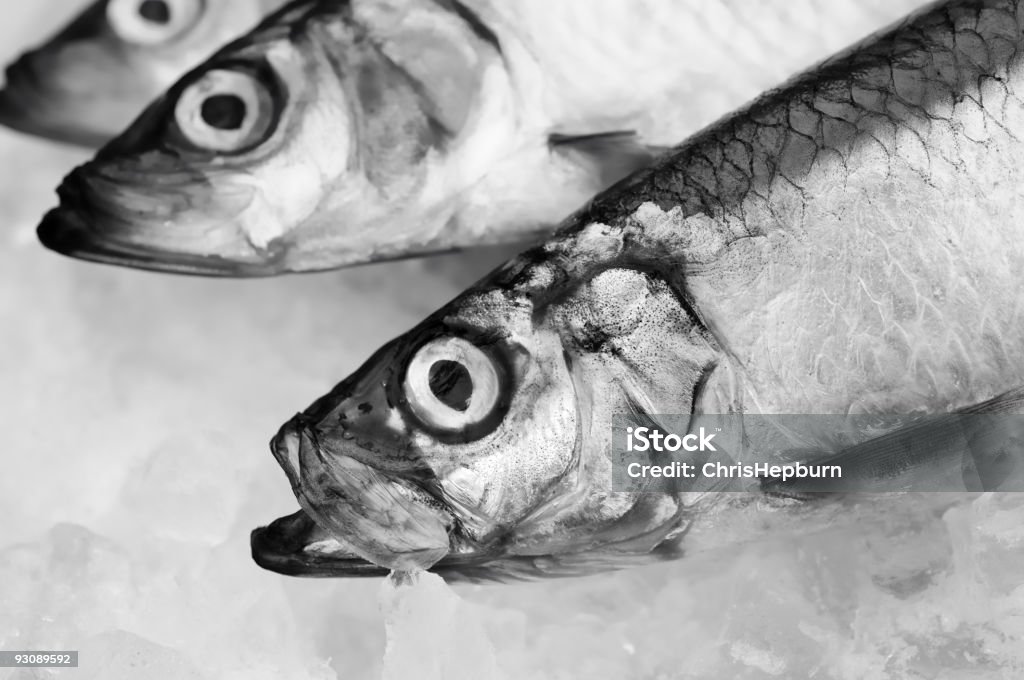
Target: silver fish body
[(849, 243), (90, 81), (340, 133)]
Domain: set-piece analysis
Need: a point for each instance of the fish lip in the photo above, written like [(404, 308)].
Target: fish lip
[(282, 547), (299, 432), (64, 230), (288, 441)]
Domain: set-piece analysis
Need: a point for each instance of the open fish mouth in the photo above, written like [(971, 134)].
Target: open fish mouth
[(297, 546), (71, 230), (384, 517), (360, 521)]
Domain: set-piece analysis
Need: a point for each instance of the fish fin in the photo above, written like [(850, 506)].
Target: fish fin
[(977, 448), (614, 155)]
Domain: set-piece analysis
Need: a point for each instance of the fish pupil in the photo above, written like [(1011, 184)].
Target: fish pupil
[(451, 384), (156, 11), (224, 112)]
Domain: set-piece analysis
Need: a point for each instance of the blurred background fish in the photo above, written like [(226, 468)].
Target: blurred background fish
[(90, 80), (347, 132)]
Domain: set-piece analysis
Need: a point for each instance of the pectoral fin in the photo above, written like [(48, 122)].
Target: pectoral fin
[(978, 448), (613, 155)]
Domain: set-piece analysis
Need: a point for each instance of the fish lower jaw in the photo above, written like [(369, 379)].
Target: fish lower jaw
[(413, 538), (340, 548), (296, 545)]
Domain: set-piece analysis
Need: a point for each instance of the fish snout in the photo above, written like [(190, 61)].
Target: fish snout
[(344, 435), (285, 447), (30, 75), (67, 229), (64, 229), (20, 75), (62, 232), (22, 103), (364, 418), (39, 98), (385, 518), (115, 215)]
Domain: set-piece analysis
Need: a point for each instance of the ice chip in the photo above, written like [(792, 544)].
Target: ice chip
[(432, 634), (167, 497), (120, 655), (55, 590)]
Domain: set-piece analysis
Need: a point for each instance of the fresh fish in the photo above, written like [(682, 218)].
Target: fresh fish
[(88, 82), (849, 243), (342, 132)]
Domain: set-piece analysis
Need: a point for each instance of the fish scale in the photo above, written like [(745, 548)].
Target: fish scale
[(592, 69), (848, 243), (904, 208)]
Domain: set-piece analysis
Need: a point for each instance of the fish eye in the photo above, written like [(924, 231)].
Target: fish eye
[(451, 384), (152, 22), (225, 110)]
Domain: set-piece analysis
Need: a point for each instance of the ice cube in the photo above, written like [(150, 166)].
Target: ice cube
[(120, 655), (432, 634), (70, 584), (189, 489)]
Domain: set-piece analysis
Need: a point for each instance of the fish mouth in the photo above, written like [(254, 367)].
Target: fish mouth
[(27, 107), (343, 527), (66, 230), (296, 545), (388, 518)]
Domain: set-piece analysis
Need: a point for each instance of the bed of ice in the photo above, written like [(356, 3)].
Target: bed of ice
[(135, 410)]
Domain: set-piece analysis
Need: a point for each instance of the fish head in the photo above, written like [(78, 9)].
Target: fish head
[(89, 81), (303, 145), (478, 445)]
